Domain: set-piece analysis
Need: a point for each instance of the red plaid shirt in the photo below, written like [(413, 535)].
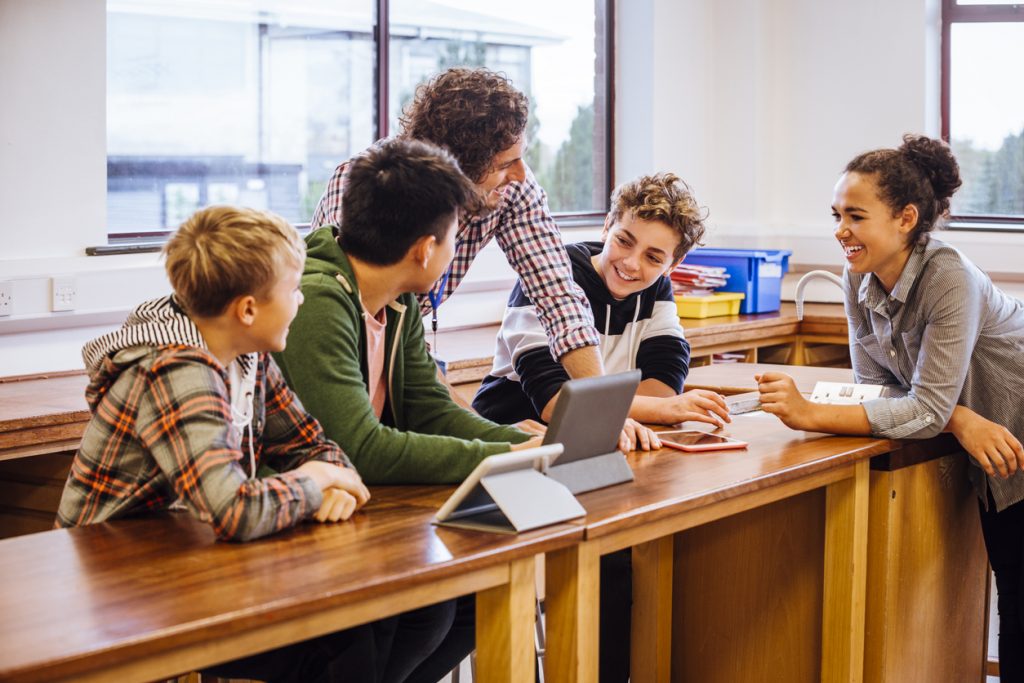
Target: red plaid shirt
[(532, 243), (162, 431)]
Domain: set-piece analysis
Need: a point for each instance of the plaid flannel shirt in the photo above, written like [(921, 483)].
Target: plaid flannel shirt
[(162, 432), (529, 237)]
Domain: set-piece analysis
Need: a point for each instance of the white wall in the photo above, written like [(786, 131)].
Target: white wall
[(759, 105), (53, 149)]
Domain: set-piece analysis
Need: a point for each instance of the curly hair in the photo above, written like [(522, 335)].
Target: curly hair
[(922, 172), (662, 197), (474, 113)]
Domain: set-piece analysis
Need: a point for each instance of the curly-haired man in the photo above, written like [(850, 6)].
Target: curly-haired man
[(480, 117)]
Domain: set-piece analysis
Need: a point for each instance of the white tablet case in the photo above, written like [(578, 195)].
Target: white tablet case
[(511, 500)]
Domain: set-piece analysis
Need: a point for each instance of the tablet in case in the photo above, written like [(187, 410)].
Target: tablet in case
[(509, 493), (587, 420)]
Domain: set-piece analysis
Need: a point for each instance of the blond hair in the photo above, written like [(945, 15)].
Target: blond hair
[(662, 197), (223, 252)]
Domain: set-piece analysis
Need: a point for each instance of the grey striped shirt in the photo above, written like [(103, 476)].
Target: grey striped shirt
[(944, 336)]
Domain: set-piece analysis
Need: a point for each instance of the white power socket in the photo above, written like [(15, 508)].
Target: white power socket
[(6, 297), (64, 292), (843, 394)]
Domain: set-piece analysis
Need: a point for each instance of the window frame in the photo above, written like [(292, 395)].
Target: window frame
[(135, 242), (954, 13)]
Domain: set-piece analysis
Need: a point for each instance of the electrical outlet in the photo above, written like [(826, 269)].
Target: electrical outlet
[(64, 291), (6, 297)]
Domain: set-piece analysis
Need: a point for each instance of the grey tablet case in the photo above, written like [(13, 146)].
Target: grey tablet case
[(509, 493), (587, 421)]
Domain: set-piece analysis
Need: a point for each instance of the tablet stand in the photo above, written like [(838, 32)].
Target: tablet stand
[(515, 501), (593, 473)]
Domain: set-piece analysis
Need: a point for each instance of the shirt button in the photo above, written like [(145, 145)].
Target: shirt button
[(892, 353), (928, 418)]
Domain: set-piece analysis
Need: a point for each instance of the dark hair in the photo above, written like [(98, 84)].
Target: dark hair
[(395, 193), (474, 113), (922, 172), (666, 198)]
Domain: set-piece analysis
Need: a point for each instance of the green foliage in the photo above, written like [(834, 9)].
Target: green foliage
[(570, 181), (993, 179)]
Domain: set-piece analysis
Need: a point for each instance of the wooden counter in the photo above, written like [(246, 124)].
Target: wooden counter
[(143, 599)]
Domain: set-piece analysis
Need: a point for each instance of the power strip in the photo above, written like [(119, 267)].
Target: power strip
[(843, 394)]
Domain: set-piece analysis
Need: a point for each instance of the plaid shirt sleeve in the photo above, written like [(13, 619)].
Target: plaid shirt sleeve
[(291, 436), (184, 421), (533, 246), (328, 209)]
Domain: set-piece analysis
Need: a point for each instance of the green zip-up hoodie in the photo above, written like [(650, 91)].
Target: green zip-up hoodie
[(433, 440)]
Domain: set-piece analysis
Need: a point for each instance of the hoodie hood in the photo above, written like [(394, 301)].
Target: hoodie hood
[(151, 325)]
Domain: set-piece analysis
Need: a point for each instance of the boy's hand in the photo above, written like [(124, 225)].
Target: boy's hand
[(532, 443), (997, 450), (697, 405), (635, 436), (780, 397), (330, 476), (338, 505), (531, 427)]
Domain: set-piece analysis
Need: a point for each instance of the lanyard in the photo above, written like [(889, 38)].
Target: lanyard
[(436, 295)]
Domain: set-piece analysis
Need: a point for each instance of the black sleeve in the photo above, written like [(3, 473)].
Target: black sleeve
[(665, 358)]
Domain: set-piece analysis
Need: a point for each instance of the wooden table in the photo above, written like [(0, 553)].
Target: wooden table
[(771, 569), (142, 599), (738, 378), (927, 570)]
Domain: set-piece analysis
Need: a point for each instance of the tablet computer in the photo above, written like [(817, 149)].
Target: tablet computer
[(590, 414), (508, 492), (695, 440)]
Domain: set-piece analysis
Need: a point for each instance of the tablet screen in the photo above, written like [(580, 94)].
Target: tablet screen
[(694, 438)]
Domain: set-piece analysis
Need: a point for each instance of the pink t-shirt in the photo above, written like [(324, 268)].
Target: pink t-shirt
[(378, 388)]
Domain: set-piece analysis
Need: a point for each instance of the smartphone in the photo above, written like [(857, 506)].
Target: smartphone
[(693, 440)]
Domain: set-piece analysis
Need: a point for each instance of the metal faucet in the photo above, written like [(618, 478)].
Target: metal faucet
[(823, 274)]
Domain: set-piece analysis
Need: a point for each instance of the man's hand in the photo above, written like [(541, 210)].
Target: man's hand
[(337, 506)]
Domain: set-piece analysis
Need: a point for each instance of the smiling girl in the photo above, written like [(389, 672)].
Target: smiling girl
[(947, 344)]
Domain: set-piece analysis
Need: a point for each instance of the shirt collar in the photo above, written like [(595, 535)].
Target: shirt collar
[(872, 294)]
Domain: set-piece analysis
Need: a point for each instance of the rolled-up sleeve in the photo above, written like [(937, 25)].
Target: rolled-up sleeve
[(947, 339)]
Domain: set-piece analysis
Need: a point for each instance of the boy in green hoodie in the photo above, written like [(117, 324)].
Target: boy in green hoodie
[(356, 355)]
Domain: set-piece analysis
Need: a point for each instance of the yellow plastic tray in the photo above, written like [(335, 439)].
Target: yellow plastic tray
[(719, 303)]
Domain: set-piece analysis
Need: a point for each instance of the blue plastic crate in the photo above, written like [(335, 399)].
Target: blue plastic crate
[(755, 272)]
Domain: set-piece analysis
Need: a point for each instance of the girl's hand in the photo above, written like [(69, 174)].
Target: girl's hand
[(635, 436), (990, 444), (697, 405), (780, 397)]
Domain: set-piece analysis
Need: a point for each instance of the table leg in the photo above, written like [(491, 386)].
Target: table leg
[(651, 643), (504, 627), (572, 613), (846, 543)]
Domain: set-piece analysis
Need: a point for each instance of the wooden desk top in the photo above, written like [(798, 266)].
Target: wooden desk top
[(738, 378), (57, 403), (79, 599), (669, 482)]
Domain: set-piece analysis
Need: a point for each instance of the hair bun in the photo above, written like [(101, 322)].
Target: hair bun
[(936, 161)]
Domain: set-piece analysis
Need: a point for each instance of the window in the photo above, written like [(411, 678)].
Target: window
[(983, 110), (256, 101)]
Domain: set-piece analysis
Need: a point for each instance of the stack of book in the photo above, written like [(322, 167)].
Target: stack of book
[(695, 280)]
